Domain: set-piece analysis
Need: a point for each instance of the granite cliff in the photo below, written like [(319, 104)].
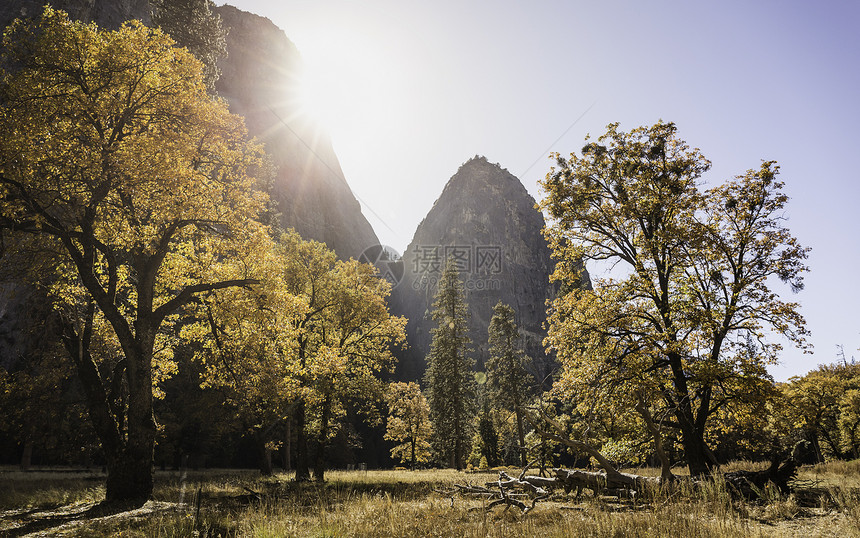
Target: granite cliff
[(487, 220), (106, 13), (258, 79)]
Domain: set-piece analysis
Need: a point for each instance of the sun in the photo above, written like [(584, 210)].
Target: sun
[(346, 84)]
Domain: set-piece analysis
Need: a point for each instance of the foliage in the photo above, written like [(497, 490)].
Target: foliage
[(247, 348), (451, 386), (113, 156), (195, 25), (823, 407), (409, 423), (507, 378), (345, 333), (683, 323), (42, 413), (314, 334)]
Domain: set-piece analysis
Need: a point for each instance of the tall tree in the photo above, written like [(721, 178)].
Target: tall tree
[(352, 344), (409, 423), (507, 378), (451, 386), (248, 347), (195, 25), (697, 274), (112, 152), (313, 334)]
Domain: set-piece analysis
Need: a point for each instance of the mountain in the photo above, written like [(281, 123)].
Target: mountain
[(107, 13), (259, 80), (487, 220)]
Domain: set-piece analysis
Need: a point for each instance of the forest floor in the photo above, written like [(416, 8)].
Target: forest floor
[(404, 503)]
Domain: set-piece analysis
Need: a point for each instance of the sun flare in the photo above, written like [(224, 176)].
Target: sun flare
[(346, 86)]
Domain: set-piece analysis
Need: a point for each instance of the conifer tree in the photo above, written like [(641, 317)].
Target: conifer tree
[(450, 381), (507, 379), (195, 25)]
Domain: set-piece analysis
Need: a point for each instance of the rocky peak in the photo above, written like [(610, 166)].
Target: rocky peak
[(487, 220)]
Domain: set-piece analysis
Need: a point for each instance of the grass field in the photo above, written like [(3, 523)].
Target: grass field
[(404, 503)]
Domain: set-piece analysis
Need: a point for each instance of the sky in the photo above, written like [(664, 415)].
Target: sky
[(411, 90)]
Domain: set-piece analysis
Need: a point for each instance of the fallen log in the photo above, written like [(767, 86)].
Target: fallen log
[(602, 482), (751, 484), (535, 484)]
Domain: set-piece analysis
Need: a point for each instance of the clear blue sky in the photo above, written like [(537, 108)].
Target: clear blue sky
[(411, 90)]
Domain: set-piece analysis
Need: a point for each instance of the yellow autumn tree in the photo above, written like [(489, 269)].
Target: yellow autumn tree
[(314, 335), (346, 337), (113, 155), (409, 423), (692, 286), (247, 348)]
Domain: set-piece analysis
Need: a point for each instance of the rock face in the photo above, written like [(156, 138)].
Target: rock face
[(259, 79), (106, 13), (487, 220)]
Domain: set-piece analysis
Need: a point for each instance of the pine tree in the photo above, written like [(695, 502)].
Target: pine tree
[(507, 379), (488, 434), (450, 381), (195, 25)]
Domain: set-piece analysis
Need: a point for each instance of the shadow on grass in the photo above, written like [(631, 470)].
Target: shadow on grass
[(65, 518)]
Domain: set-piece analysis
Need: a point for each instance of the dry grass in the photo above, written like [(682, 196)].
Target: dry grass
[(403, 503)]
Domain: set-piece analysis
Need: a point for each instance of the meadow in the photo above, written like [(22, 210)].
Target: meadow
[(404, 503)]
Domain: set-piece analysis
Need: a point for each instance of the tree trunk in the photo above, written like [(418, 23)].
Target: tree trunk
[(137, 454), (602, 482), (319, 466), (303, 474), (128, 457), (413, 452), (288, 438), (264, 454), (521, 438), (129, 477), (458, 442), (692, 435), (645, 413), (27, 455), (696, 453)]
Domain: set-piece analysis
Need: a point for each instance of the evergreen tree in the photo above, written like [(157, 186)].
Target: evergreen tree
[(450, 380), (507, 379), (488, 434), (195, 26)]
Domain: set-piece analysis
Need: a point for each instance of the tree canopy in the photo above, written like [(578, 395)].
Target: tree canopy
[(683, 322), (312, 336), (113, 156), (195, 25)]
